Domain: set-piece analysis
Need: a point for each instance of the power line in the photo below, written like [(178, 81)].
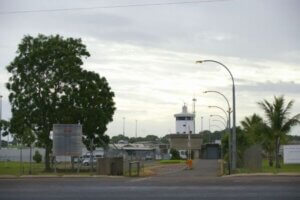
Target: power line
[(107, 7)]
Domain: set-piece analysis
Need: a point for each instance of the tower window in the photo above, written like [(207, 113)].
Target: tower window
[(180, 118), (184, 118)]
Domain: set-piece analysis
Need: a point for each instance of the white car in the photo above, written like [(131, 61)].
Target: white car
[(86, 161)]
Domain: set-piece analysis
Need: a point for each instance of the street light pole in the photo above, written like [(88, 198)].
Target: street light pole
[(229, 130), (214, 125), (217, 120), (218, 107), (213, 91), (209, 138), (234, 113), (221, 117), (1, 119)]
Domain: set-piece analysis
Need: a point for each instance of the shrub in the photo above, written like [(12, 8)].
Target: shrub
[(37, 157), (175, 154)]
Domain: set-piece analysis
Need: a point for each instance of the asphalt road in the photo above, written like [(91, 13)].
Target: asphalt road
[(200, 183), (151, 188)]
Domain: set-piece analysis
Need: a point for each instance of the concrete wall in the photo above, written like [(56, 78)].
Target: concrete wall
[(110, 166), (252, 158), (180, 141)]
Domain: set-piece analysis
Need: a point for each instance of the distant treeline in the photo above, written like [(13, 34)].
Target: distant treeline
[(148, 138)]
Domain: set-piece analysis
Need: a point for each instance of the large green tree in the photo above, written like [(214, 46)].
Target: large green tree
[(47, 86), (4, 130), (279, 122)]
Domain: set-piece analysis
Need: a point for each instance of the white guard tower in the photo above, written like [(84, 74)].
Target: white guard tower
[(184, 121)]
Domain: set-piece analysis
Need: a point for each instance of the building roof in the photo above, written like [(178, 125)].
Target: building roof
[(134, 146), (184, 112), (176, 135)]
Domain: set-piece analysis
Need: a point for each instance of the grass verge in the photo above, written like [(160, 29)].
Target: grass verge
[(18, 169), (172, 161), (285, 168)]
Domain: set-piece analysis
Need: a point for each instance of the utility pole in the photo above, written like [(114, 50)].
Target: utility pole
[(209, 130), (233, 139), (202, 124), (123, 126), (135, 128), (194, 110)]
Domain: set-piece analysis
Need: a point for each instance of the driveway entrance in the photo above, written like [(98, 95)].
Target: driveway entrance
[(201, 168)]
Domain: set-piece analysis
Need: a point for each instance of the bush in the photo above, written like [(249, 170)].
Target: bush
[(37, 157), (175, 154)]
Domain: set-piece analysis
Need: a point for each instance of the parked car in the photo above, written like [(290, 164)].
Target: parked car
[(183, 154), (148, 157), (96, 154), (86, 161)]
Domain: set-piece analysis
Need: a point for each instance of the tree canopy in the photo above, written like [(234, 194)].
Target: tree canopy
[(47, 86), (278, 121)]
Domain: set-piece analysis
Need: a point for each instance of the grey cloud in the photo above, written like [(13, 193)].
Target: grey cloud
[(130, 95), (252, 29), (278, 87)]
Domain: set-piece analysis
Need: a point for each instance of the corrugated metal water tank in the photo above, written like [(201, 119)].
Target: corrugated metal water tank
[(67, 139)]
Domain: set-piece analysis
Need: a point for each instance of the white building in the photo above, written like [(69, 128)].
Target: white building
[(184, 121)]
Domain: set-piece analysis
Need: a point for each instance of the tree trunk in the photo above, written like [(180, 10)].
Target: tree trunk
[(270, 159), (47, 158), (30, 161), (277, 146)]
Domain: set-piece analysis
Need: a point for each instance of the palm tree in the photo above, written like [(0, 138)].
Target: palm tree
[(258, 133), (278, 121), (251, 126)]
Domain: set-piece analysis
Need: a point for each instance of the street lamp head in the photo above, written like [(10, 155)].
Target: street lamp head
[(199, 61), (205, 92)]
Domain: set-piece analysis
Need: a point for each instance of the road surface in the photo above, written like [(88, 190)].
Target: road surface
[(183, 184)]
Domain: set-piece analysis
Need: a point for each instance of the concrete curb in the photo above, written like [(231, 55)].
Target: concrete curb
[(261, 174), (56, 176), (8, 176)]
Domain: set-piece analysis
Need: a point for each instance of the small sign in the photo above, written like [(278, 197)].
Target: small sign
[(291, 154)]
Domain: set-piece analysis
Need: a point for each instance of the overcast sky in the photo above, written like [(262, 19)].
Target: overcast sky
[(148, 53)]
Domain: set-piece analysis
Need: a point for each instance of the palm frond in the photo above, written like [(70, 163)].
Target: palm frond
[(268, 109), (290, 123), (287, 109), (278, 115)]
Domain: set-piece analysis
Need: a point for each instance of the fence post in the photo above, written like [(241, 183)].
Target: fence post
[(129, 168), (138, 168)]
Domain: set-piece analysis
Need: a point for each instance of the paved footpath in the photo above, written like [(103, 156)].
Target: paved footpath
[(201, 168)]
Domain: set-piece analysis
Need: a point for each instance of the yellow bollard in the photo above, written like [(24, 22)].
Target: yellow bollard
[(189, 164)]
